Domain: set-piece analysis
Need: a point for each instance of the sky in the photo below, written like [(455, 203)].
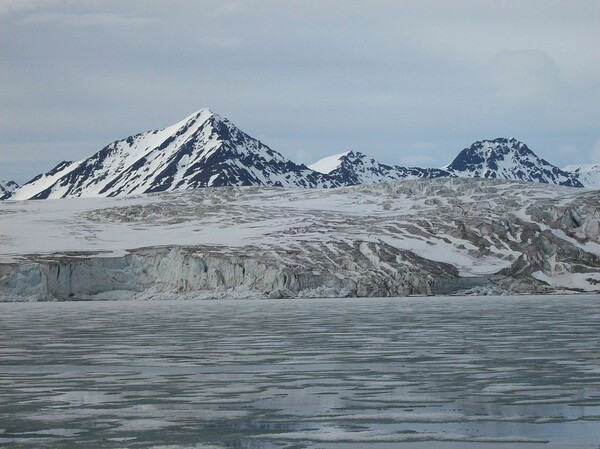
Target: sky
[(406, 82)]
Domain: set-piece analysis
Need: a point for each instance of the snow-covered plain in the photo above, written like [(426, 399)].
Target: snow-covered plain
[(389, 239)]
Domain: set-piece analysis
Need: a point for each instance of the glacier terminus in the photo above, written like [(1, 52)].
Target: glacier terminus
[(201, 209)]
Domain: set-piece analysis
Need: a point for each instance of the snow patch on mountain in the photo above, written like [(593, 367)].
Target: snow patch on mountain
[(206, 150), (353, 168), (503, 158), (203, 150), (586, 174), (328, 164)]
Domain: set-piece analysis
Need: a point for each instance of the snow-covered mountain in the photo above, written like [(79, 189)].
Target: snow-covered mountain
[(503, 158), (587, 174), (353, 168), (204, 150), (7, 188)]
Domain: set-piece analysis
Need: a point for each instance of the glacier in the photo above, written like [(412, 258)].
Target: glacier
[(399, 238)]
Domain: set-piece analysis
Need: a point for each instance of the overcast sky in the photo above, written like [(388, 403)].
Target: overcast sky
[(407, 82)]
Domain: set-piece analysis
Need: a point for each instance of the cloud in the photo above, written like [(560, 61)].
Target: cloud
[(314, 77), (14, 6), (420, 154), (595, 152), (226, 8), (220, 41), (85, 20), (522, 76)]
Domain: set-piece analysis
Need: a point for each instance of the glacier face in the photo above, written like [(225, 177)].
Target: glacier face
[(426, 236)]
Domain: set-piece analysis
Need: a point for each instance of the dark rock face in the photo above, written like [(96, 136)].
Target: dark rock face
[(507, 159), (205, 150), (7, 189), (356, 168)]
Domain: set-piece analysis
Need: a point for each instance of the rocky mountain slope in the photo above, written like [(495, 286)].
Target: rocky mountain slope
[(507, 159), (587, 174), (353, 167), (205, 150), (427, 236), (7, 189)]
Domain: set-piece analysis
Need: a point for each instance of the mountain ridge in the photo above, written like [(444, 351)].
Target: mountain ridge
[(587, 174), (203, 150), (7, 188), (354, 167), (206, 150), (504, 158)]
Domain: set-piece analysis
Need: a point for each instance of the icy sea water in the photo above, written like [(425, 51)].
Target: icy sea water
[(492, 372)]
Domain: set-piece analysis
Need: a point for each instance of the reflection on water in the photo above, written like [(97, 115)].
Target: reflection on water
[(494, 372)]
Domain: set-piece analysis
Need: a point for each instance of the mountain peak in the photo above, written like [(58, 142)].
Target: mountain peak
[(507, 158), (201, 114), (202, 150), (199, 117), (206, 150), (329, 163)]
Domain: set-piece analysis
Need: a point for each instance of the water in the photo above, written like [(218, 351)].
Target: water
[(384, 373)]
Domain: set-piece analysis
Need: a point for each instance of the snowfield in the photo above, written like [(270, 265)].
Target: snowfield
[(429, 236)]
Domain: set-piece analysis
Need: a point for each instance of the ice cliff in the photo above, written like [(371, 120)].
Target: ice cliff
[(429, 236)]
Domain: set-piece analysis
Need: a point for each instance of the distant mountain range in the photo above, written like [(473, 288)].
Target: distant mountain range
[(353, 168), (206, 150)]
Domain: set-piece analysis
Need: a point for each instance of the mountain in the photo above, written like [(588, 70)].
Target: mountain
[(203, 150), (498, 159), (503, 158), (352, 168), (587, 174), (7, 188), (206, 150)]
